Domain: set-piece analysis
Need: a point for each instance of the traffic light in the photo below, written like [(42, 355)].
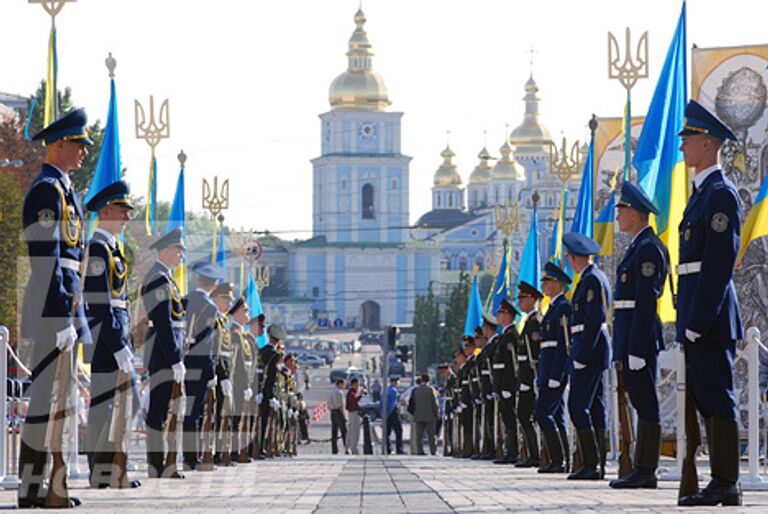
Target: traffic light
[(392, 337), (403, 351)]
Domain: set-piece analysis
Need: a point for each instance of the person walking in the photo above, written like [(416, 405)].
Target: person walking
[(355, 421), (426, 414), (376, 390), (390, 401), (337, 404)]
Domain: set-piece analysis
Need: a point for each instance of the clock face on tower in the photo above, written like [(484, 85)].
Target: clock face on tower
[(367, 130)]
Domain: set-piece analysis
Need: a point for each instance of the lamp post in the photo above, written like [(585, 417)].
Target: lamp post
[(152, 131)]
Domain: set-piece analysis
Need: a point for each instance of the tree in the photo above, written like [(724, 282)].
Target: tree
[(12, 250), (455, 315), (484, 285), (426, 326)]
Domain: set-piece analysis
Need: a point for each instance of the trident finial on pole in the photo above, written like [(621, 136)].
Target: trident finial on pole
[(635, 64)]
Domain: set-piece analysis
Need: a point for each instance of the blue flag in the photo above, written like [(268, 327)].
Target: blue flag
[(583, 218), (500, 286), (254, 305), (474, 310), (530, 264), (176, 219), (221, 255), (108, 166)]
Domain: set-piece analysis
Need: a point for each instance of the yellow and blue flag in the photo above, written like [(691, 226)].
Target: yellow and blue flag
[(530, 264), (254, 305), (584, 217), (500, 287), (604, 227), (556, 246), (659, 162), (221, 255), (756, 225), (474, 310), (176, 219)]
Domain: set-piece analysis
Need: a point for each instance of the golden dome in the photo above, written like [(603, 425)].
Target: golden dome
[(530, 136), (446, 175), (359, 88), (482, 173), (507, 168)]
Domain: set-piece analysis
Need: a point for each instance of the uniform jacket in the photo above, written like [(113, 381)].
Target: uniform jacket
[(504, 360), (269, 359), (710, 235), (485, 365), (106, 296), (640, 279), (242, 375), (166, 313), (53, 228), (528, 350), (553, 354), (199, 360), (223, 348), (589, 339)]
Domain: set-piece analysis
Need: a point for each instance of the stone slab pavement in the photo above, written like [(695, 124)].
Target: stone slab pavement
[(375, 484)]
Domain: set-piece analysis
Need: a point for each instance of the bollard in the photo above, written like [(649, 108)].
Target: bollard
[(367, 446), (753, 480)]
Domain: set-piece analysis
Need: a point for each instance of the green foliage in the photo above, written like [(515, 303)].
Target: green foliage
[(484, 285), (426, 326), (456, 312), (12, 249)]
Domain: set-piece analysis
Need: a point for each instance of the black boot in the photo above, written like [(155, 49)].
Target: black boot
[(588, 449), (565, 445), (532, 446), (643, 476), (724, 488), (189, 447), (554, 445), (601, 450), (154, 453)]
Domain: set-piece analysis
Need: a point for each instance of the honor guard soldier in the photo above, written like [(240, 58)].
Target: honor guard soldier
[(457, 445), (53, 316), (270, 359), (165, 345), (590, 353), (199, 356), (223, 357), (255, 332), (485, 367), (106, 293), (638, 335), (708, 322), (527, 357), (552, 371), (239, 315), (505, 379), (450, 383), (466, 404)]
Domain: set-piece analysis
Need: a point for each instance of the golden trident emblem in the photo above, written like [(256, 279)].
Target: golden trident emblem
[(215, 200), (563, 164), (635, 64)]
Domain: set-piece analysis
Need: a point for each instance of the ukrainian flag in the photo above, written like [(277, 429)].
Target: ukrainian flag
[(221, 254), (604, 227), (756, 225), (51, 98), (556, 247), (584, 217), (659, 162), (254, 305), (500, 287), (176, 219), (530, 264), (474, 310)]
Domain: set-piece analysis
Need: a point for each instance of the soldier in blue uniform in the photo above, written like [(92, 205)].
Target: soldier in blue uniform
[(490, 403), (164, 344), (53, 316), (106, 294), (552, 371), (637, 331), (589, 353), (505, 379), (222, 298), (708, 322), (201, 371), (527, 357), (270, 359)]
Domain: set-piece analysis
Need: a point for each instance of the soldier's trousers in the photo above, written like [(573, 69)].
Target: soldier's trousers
[(100, 449), (265, 411), (525, 404), (509, 417), (548, 410), (641, 387), (467, 436), (489, 423), (585, 384)]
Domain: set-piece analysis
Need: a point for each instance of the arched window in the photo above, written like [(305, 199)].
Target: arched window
[(450, 200), (367, 200), (437, 196)]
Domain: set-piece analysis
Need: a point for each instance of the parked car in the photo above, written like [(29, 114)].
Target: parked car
[(359, 374), (310, 360), (370, 338), (325, 350), (337, 373)]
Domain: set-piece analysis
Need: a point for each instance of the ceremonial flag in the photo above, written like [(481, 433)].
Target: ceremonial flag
[(500, 286), (254, 305), (51, 97), (583, 218), (176, 219), (556, 247), (151, 209), (221, 253), (604, 227), (626, 128), (530, 264), (756, 225), (659, 162), (474, 310)]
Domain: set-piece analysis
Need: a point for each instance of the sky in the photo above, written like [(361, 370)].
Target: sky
[(246, 80)]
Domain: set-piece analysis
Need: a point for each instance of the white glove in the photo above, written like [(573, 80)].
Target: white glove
[(490, 396), (459, 409), (636, 363), (211, 383), (506, 395), (179, 370), (275, 403), (691, 335), (553, 384), (248, 394), (478, 401), (463, 405), (226, 387), (525, 387), (124, 357), (578, 365), (66, 339)]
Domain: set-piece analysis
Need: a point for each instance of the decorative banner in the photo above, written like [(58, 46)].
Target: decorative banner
[(609, 154)]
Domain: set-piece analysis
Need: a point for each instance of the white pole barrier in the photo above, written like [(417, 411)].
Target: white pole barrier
[(676, 473), (4, 336), (753, 480)]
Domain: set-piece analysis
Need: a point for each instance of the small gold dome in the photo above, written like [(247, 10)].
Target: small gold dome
[(507, 168), (530, 136), (481, 175), (446, 175), (359, 88)]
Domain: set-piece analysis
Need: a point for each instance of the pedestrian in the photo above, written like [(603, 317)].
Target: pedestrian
[(708, 321), (376, 391), (303, 419), (373, 364), (426, 413), (390, 411), (353, 411), (305, 375), (638, 336), (337, 404)]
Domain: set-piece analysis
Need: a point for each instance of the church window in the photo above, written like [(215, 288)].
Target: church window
[(394, 184), (367, 202), (450, 200), (437, 196), (463, 263), (315, 292), (343, 185)]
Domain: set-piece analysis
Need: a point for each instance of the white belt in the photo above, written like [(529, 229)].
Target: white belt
[(522, 358), (485, 372), (624, 304), (70, 264), (475, 380), (464, 382), (225, 354), (498, 366), (689, 268), (580, 327), (118, 304), (548, 344), (177, 324)]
